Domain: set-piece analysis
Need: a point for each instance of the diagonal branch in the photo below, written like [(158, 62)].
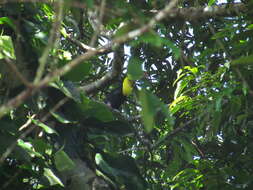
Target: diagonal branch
[(110, 76), (19, 99), (15, 70), (204, 12), (85, 47), (52, 41)]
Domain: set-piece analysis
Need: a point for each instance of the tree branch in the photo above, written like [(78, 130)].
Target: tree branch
[(204, 12), (52, 41), (189, 13), (19, 99), (108, 78), (85, 47), (15, 70)]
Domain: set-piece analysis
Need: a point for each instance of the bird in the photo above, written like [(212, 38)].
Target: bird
[(119, 95)]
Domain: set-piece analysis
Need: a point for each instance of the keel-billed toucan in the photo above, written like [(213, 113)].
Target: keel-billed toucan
[(119, 95)]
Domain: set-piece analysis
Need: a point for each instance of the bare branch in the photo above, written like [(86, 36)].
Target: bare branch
[(110, 76), (85, 47)]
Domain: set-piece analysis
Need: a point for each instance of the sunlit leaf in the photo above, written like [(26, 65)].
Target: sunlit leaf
[(6, 46), (52, 178), (61, 118), (211, 2), (46, 128), (27, 146), (8, 21)]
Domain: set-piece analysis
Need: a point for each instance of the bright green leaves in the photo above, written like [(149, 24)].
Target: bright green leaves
[(184, 77), (45, 127), (7, 21), (61, 118), (188, 178), (28, 148), (211, 2), (151, 107), (180, 103), (51, 177), (6, 46)]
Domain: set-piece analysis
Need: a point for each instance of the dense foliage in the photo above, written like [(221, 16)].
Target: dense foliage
[(187, 125)]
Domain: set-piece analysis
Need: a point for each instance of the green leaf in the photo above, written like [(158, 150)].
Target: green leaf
[(148, 110), (181, 85), (8, 21), (245, 60), (46, 128), (63, 162), (52, 178), (61, 118), (250, 27), (211, 2), (27, 146), (179, 103), (134, 68), (122, 168), (6, 46), (151, 106), (116, 127), (79, 72), (90, 108), (41, 146), (218, 104), (90, 3), (68, 89)]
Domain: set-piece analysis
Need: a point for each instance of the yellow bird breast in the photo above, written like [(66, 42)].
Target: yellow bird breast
[(127, 88)]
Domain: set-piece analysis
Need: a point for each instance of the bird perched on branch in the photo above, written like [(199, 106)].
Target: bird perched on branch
[(119, 95)]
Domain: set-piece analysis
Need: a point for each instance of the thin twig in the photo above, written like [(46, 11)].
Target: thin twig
[(85, 47), (17, 72), (173, 133), (54, 36), (99, 23), (27, 123)]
